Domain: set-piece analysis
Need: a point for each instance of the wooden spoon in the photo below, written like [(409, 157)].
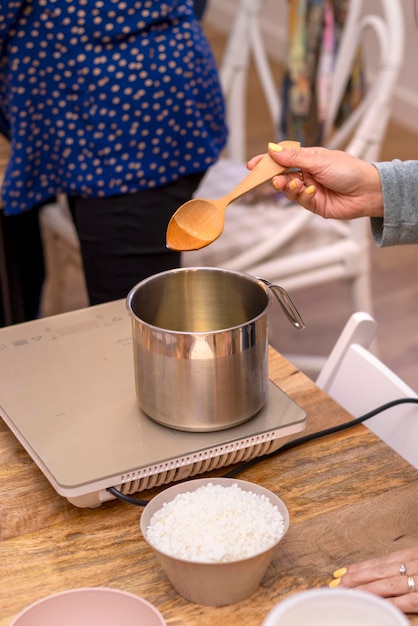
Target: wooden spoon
[(198, 222)]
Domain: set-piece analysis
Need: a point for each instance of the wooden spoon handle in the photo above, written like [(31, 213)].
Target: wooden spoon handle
[(265, 169)]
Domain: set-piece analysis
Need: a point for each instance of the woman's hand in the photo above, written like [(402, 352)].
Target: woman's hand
[(333, 184), (394, 577)]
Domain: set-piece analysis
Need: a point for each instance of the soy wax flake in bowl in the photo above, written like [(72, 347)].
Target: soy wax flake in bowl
[(215, 538), (216, 524)]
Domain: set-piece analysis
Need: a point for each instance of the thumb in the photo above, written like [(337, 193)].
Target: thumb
[(313, 159), (285, 156)]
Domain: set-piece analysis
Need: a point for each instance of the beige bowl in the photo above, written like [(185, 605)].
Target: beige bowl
[(213, 584), (90, 606)]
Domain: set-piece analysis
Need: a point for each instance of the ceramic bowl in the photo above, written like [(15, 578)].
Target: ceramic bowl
[(90, 606), (213, 583), (335, 607)]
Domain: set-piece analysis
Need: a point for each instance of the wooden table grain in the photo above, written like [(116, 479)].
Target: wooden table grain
[(349, 496)]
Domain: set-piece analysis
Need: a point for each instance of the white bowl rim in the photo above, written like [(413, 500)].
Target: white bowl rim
[(295, 598)]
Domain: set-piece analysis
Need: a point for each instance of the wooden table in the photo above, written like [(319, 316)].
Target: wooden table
[(350, 497)]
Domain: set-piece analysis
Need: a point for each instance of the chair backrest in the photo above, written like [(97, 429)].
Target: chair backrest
[(300, 249), (362, 133), (360, 382), (370, 119)]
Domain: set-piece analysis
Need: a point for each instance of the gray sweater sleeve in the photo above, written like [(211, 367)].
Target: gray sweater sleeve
[(400, 202)]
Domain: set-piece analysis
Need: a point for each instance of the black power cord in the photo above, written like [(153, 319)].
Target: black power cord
[(123, 496), (287, 446)]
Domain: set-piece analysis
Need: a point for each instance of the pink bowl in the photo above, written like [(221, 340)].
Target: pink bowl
[(90, 606)]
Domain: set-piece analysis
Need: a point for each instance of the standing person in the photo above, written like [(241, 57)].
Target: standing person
[(335, 185), (118, 106)]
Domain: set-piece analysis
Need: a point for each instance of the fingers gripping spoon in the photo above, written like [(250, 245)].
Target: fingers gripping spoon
[(198, 222)]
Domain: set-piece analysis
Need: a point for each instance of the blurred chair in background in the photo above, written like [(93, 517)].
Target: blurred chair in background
[(64, 287), (265, 235), (360, 382)]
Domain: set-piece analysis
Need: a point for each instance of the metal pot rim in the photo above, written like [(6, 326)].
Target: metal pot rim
[(257, 281)]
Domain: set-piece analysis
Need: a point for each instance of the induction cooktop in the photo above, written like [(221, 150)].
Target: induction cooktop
[(67, 392)]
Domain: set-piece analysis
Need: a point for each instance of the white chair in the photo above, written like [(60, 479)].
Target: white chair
[(360, 382), (286, 244), (64, 286)]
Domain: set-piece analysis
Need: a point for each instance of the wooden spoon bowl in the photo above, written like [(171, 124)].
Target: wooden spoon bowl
[(198, 222)]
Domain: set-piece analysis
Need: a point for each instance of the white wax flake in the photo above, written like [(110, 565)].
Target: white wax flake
[(216, 524)]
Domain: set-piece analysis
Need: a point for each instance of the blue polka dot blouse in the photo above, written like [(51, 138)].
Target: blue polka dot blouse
[(105, 97)]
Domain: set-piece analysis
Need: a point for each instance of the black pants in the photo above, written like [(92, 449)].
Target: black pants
[(200, 7), (122, 238), (22, 267)]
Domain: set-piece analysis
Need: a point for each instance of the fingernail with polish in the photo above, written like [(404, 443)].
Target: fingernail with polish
[(276, 147), (293, 183), (334, 583), (339, 573)]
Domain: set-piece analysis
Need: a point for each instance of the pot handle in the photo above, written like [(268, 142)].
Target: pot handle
[(286, 303)]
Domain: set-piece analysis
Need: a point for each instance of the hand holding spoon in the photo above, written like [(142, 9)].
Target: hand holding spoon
[(198, 222)]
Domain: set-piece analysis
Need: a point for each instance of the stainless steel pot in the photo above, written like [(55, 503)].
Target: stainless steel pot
[(201, 346)]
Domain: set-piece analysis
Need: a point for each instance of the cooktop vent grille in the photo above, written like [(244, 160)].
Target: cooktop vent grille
[(199, 466)]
